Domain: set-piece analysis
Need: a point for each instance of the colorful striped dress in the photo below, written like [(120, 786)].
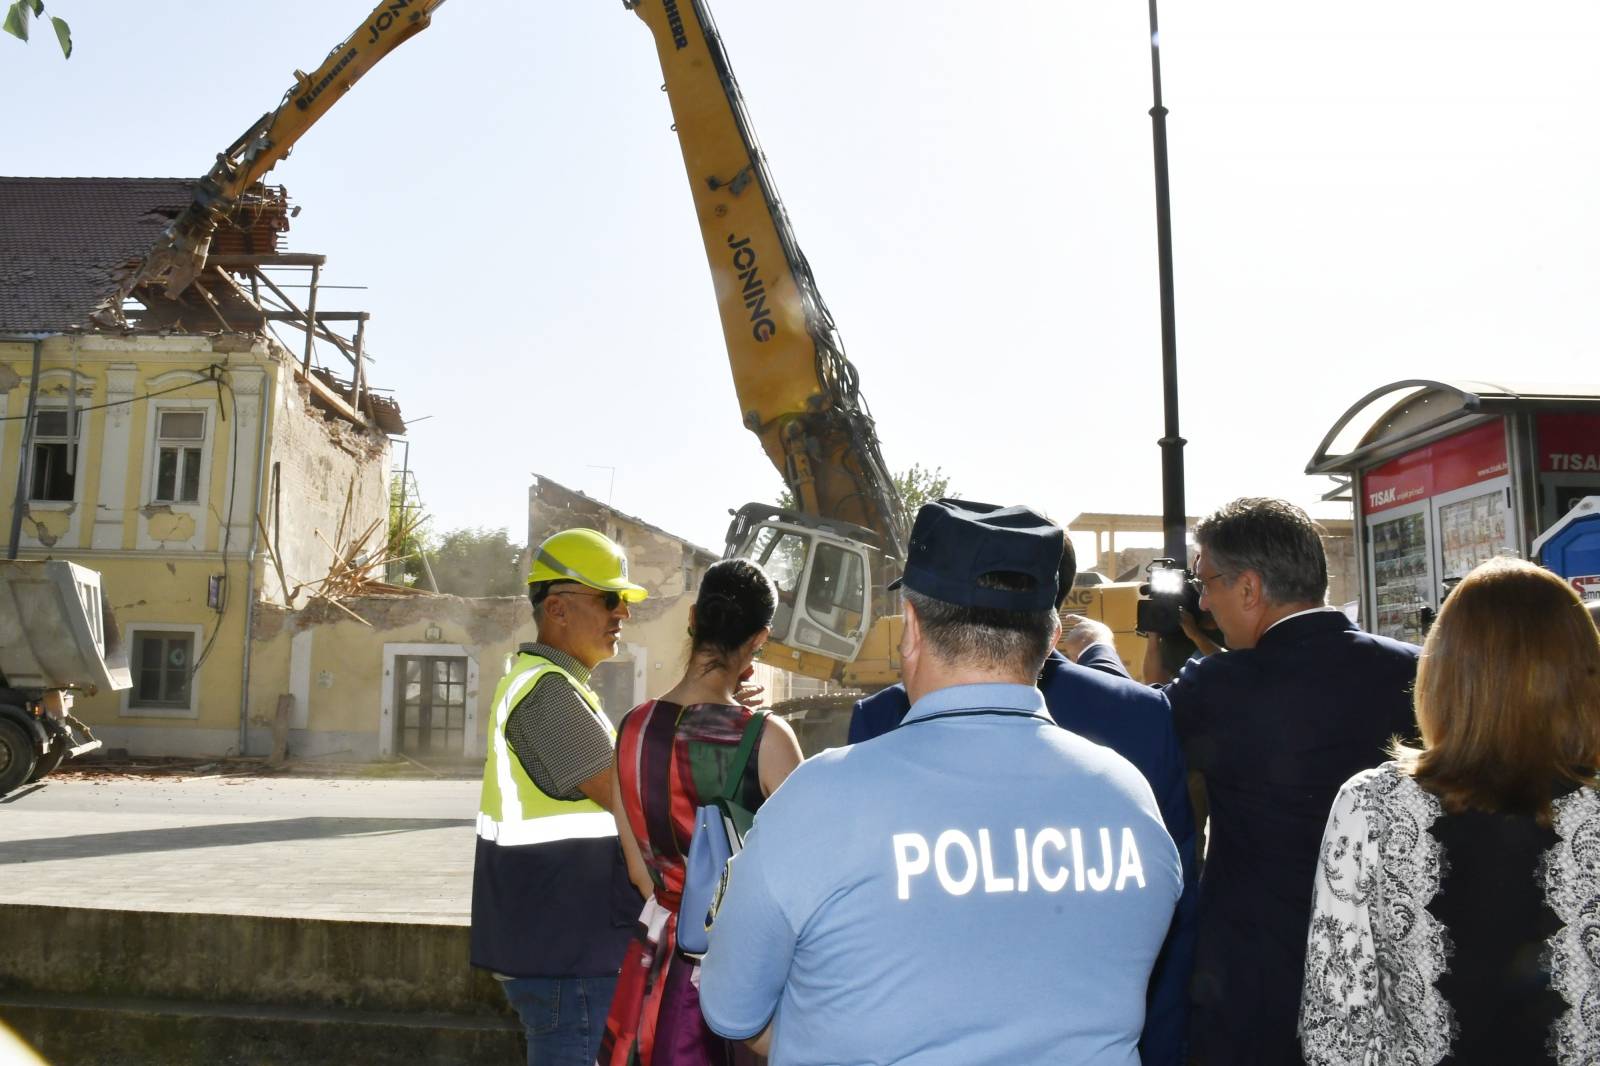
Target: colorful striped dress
[(670, 761)]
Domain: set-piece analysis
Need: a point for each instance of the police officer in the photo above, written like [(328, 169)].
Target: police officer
[(1087, 691), (552, 902), (976, 886)]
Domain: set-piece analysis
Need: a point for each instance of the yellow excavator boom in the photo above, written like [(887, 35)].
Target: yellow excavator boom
[(797, 391), (181, 254)]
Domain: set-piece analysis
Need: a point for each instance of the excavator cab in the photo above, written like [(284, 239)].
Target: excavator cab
[(823, 571)]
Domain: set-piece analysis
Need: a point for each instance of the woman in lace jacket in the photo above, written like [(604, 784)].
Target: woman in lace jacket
[(1457, 903)]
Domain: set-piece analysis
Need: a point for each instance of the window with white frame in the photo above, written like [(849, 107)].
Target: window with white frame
[(180, 455), (54, 463), (163, 669)]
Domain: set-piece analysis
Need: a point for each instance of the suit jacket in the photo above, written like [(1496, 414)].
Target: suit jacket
[(1102, 704), (1098, 656), (1276, 730), (883, 710)]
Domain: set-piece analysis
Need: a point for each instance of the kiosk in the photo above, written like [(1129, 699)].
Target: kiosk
[(1445, 474)]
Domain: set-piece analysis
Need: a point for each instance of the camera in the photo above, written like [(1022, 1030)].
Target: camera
[(1170, 587)]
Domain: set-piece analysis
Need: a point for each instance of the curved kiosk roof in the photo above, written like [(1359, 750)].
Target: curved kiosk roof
[(1420, 410), (1446, 474)]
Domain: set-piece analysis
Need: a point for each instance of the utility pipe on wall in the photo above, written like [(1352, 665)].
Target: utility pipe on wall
[(23, 457), (264, 413)]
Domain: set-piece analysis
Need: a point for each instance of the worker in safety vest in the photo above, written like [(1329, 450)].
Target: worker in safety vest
[(553, 904)]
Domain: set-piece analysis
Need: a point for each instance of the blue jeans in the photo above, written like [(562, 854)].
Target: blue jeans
[(564, 1017)]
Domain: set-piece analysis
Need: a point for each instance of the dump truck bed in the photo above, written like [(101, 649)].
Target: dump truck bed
[(55, 629)]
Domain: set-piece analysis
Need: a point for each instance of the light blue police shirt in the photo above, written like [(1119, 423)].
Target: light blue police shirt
[(978, 886)]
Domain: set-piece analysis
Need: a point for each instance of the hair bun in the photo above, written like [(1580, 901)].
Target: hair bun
[(736, 601), (717, 610)]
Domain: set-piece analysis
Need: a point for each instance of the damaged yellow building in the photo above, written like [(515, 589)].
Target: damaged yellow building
[(215, 474), (177, 446)]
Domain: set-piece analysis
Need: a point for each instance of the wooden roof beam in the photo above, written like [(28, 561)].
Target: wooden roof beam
[(322, 316), (321, 391), (279, 259)]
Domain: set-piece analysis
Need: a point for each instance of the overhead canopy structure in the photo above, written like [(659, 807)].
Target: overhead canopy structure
[(1417, 410)]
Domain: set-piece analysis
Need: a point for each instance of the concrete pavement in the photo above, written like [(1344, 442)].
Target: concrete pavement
[(343, 849)]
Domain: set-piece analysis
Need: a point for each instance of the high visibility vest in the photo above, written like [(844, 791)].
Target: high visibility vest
[(512, 810), (550, 892)]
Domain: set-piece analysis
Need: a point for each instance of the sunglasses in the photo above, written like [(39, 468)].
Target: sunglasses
[(612, 600)]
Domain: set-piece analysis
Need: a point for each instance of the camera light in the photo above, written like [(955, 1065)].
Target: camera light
[(1166, 582)]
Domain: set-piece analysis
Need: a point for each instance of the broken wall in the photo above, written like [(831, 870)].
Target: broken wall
[(316, 462), (668, 566), (347, 698), (346, 680)]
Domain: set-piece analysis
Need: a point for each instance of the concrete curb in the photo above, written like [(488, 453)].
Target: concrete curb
[(112, 987), (72, 1031), (374, 966)]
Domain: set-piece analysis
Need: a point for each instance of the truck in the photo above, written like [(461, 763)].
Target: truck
[(58, 637)]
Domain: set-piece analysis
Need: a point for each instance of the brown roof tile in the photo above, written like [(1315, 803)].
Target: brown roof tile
[(69, 246)]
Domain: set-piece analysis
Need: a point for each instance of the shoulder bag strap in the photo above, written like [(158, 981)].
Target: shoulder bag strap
[(741, 758)]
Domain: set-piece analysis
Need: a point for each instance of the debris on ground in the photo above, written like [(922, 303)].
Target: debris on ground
[(119, 766)]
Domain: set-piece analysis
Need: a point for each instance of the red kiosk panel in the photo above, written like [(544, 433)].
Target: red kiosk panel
[(1433, 514)]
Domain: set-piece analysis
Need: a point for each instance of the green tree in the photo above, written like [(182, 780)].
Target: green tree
[(20, 15), (919, 485), (916, 485), (477, 562), (408, 537)]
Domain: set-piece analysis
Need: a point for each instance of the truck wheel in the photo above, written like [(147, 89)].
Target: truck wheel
[(18, 757), (47, 763)]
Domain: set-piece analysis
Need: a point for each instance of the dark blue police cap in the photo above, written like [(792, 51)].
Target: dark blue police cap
[(955, 542)]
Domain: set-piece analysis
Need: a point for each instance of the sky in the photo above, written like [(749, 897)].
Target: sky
[(1361, 193)]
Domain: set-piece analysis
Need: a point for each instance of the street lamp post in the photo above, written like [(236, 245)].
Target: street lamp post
[(1172, 506)]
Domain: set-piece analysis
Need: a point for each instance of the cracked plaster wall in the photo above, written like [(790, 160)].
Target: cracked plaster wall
[(47, 527), (317, 459)]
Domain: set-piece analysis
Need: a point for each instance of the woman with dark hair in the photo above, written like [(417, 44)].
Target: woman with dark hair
[(673, 755), (1457, 903)]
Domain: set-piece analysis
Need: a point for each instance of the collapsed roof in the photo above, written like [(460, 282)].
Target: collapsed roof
[(71, 250)]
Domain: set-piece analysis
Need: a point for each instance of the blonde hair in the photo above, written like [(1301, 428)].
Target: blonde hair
[(1508, 693)]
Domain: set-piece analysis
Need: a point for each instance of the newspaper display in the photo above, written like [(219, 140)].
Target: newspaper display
[(1400, 564), (1472, 531)]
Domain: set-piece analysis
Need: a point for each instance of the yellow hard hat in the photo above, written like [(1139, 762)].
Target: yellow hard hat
[(587, 557)]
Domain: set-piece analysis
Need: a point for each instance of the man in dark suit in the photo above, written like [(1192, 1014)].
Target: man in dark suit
[(1087, 642), (1299, 702), (1095, 698)]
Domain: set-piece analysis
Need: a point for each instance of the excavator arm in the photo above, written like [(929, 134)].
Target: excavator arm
[(797, 391), (833, 553), (181, 253)]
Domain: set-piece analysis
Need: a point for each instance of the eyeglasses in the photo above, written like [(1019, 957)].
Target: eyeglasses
[(612, 600), (1200, 581)]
